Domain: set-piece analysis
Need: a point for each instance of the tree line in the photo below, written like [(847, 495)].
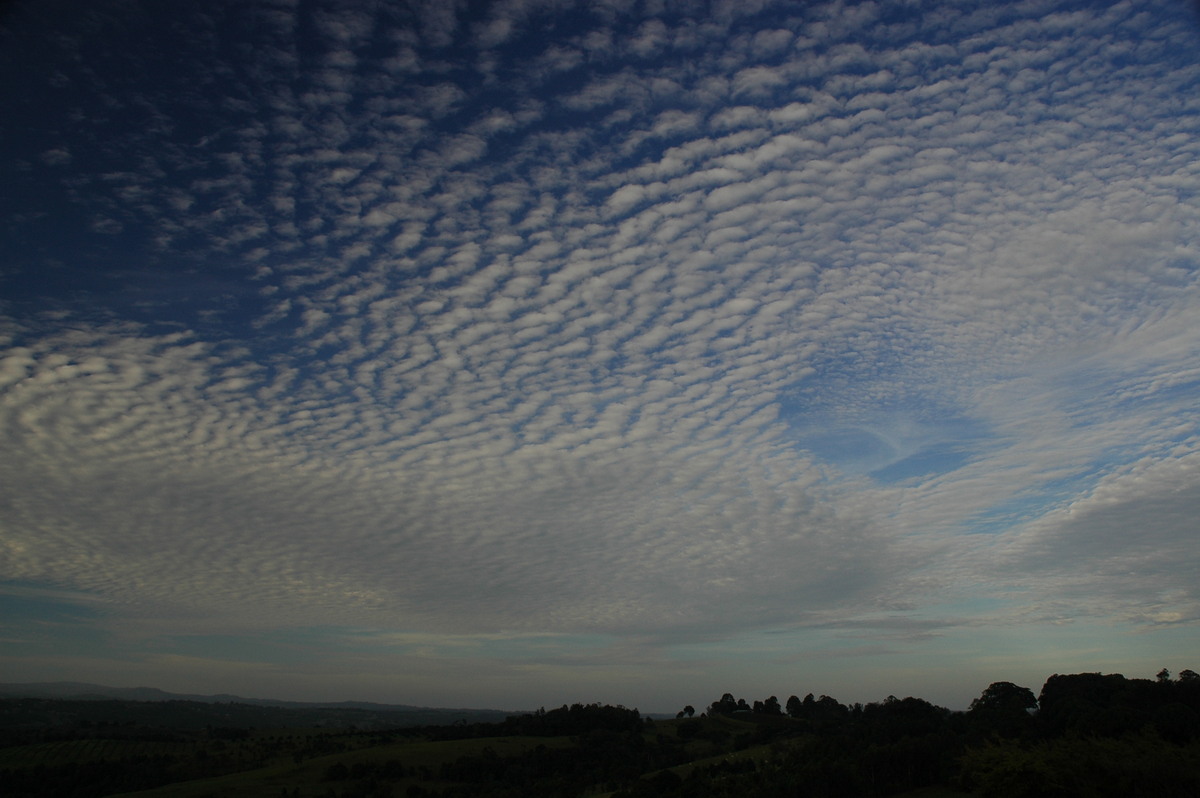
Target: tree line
[(1088, 734)]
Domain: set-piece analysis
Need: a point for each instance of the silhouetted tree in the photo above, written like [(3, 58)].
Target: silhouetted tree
[(727, 705), (1005, 696), (1101, 704), (1003, 708)]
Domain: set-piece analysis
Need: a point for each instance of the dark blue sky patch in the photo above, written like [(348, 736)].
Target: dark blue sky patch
[(41, 620)]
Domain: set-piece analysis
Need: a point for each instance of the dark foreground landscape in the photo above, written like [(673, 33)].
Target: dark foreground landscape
[(1084, 735)]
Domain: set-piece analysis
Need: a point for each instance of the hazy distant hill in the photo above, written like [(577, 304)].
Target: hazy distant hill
[(363, 714), (85, 691)]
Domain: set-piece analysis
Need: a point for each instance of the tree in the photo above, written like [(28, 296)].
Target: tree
[(1188, 675), (689, 710), (726, 706), (1164, 675), (771, 706), (1095, 703), (794, 707), (1004, 696), (1003, 709)]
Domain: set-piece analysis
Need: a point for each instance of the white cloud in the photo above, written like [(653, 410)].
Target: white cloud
[(559, 360)]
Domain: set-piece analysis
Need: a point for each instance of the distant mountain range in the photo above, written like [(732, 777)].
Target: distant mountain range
[(83, 691)]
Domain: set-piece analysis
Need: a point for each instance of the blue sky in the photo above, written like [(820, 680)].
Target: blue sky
[(519, 353)]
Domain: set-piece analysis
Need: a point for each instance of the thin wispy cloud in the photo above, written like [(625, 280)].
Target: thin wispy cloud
[(603, 331)]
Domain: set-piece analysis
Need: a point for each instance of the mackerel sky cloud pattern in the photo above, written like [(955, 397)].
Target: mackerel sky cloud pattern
[(527, 352)]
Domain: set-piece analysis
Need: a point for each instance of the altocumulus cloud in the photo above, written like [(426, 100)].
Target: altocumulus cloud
[(656, 324)]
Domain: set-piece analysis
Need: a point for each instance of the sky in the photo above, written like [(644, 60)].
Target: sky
[(512, 354)]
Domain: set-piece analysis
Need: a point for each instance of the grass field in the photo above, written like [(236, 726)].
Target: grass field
[(320, 762), (308, 778)]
